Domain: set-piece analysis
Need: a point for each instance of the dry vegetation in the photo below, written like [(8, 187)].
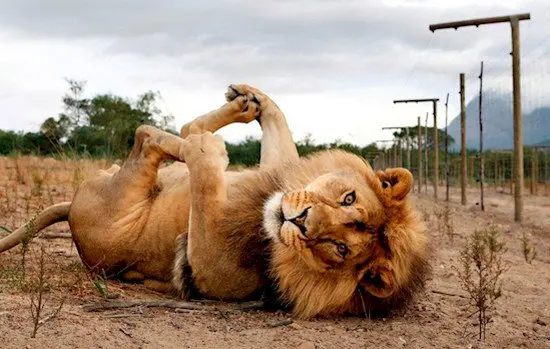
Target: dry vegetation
[(45, 290)]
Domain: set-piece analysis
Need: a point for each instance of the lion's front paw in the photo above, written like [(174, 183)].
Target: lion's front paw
[(251, 93), (247, 100), (204, 147)]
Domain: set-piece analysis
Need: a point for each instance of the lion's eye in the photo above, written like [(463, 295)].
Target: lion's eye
[(342, 249), (349, 199)]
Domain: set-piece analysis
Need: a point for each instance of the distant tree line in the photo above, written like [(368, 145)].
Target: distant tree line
[(104, 126)]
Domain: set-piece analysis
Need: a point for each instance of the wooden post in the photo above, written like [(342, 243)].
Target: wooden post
[(434, 103), (408, 149), (436, 151), (518, 130), (471, 170), (545, 171), (447, 148), (463, 162), (419, 134), (481, 158), (394, 155), (496, 180), (426, 159), (399, 154), (534, 171), (512, 174)]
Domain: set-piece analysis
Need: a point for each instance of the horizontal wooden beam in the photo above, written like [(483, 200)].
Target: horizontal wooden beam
[(395, 127), (479, 21), (416, 100)]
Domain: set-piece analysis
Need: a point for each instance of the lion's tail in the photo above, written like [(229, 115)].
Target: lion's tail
[(53, 214)]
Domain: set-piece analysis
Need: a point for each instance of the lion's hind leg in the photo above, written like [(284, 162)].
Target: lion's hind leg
[(138, 175)]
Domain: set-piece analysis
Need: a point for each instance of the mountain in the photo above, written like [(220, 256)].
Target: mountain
[(498, 131)]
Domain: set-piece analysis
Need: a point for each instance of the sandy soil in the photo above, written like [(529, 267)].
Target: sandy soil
[(434, 320)]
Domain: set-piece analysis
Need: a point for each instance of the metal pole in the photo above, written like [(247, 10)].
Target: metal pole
[(518, 131), (481, 159), (463, 162)]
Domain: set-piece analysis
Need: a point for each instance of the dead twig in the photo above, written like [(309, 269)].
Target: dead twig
[(125, 332), (448, 293), (281, 323), (254, 305)]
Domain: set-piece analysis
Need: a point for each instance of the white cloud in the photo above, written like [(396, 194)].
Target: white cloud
[(334, 67)]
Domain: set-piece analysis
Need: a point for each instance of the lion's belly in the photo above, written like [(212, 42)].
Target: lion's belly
[(115, 236)]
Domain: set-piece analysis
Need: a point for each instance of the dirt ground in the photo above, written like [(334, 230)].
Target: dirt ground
[(436, 319)]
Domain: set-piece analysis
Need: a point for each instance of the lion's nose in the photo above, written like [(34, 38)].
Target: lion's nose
[(300, 221)]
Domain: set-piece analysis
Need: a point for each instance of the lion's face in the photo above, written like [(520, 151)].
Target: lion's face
[(335, 224)]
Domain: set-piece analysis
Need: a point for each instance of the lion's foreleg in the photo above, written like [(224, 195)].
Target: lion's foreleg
[(206, 158), (277, 143)]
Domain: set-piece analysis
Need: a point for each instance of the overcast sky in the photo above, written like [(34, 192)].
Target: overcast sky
[(333, 67)]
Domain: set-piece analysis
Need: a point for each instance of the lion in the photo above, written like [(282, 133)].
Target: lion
[(323, 235)]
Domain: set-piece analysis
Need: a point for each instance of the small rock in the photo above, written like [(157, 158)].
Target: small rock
[(402, 341), (295, 326), (329, 328), (541, 322), (306, 345)]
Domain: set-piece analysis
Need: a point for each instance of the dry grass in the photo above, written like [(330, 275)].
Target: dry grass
[(434, 320), (27, 185)]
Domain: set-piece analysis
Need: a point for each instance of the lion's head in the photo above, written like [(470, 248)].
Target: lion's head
[(342, 234)]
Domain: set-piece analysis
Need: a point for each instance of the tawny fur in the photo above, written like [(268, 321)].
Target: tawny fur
[(133, 222)]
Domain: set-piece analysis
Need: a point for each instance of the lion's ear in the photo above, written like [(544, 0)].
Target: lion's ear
[(395, 183)]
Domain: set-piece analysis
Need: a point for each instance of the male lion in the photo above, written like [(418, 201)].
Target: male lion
[(328, 234)]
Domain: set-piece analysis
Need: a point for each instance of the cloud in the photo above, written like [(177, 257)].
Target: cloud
[(326, 52)]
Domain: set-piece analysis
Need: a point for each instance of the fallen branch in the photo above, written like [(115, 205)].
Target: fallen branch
[(119, 316), (172, 304), (56, 236), (139, 303), (448, 294)]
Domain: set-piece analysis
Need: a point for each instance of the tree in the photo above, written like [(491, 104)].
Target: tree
[(52, 131)]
